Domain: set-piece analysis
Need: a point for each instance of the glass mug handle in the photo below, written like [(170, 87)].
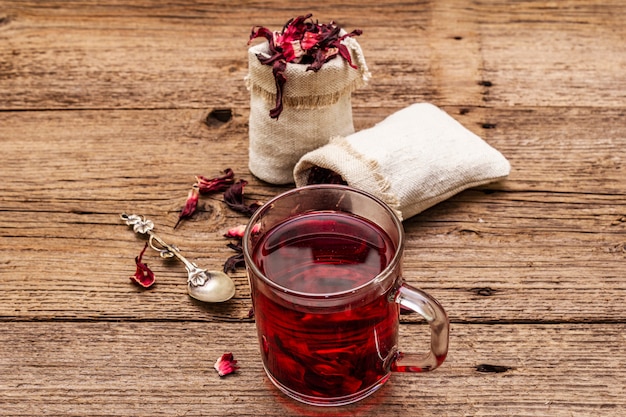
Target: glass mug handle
[(429, 308)]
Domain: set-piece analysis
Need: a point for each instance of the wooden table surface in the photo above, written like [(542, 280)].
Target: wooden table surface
[(105, 109)]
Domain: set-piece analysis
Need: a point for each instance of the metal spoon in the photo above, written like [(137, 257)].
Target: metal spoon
[(203, 285)]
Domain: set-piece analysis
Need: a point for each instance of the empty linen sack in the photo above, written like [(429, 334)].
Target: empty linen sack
[(412, 160)]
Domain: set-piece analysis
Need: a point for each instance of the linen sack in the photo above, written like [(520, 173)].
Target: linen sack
[(316, 107), (412, 160)]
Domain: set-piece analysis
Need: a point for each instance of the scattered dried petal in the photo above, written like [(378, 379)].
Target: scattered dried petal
[(234, 198), (143, 275), (235, 261), (211, 185), (190, 205), (226, 364), (236, 232)]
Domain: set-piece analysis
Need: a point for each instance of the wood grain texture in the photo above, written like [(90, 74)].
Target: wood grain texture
[(104, 109), (190, 54), (166, 368)]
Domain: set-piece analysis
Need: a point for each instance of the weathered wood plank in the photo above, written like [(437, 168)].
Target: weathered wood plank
[(152, 368), (479, 265), (551, 150), (193, 55), (484, 277)]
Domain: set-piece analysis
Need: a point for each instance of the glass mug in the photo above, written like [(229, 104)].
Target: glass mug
[(324, 266)]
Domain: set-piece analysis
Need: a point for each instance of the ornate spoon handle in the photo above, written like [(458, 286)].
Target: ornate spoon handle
[(221, 289)]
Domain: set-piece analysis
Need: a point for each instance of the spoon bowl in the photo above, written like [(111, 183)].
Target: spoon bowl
[(217, 287)]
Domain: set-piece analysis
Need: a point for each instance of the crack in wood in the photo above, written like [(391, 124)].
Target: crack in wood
[(497, 369)]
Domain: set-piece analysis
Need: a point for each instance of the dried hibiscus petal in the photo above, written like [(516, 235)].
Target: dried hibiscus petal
[(204, 185), (226, 364), (301, 41), (234, 261), (233, 197), (278, 69), (143, 275), (210, 185), (237, 260), (190, 205), (237, 232)]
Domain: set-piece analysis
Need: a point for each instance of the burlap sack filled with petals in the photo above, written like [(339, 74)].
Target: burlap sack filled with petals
[(412, 160), (316, 107)]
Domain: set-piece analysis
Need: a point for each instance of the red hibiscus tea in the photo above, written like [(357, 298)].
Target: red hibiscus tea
[(324, 270), (323, 253), (325, 352)]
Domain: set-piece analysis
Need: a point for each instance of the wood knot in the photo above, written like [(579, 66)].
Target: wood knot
[(619, 221), (218, 117), (5, 20), (467, 231), (483, 291)]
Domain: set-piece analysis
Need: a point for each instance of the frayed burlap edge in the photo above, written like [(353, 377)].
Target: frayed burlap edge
[(265, 87), (358, 171), (309, 102)]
